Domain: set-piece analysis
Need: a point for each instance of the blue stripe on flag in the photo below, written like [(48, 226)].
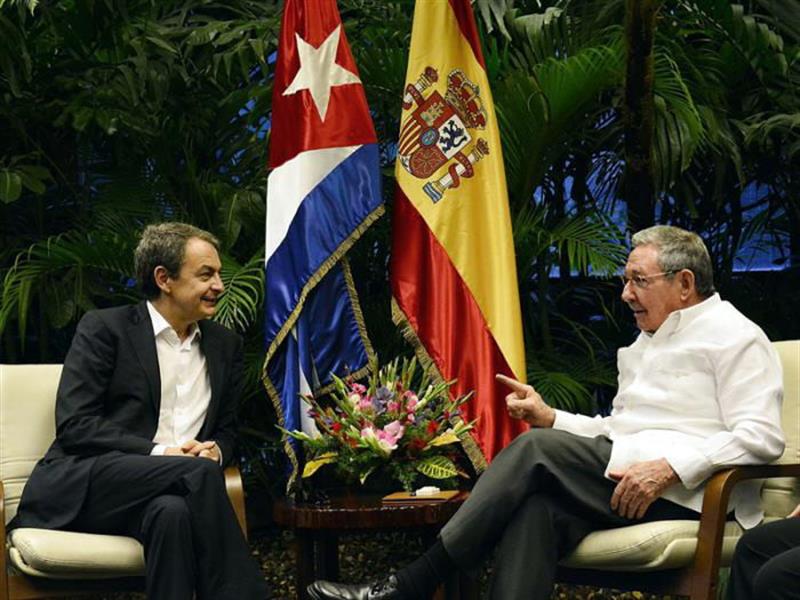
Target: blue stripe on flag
[(326, 218), (326, 339)]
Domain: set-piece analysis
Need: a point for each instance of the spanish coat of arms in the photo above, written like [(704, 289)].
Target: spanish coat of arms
[(440, 131)]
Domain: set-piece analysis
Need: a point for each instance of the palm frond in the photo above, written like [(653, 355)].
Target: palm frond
[(592, 243), (779, 129), (678, 129), (72, 268), (541, 109), (238, 308), (567, 382), (591, 240)]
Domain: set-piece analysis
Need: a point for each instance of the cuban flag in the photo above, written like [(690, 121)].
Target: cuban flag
[(323, 192)]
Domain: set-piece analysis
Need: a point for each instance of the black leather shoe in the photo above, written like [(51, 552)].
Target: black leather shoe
[(385, 589)]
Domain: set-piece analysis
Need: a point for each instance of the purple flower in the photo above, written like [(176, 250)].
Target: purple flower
[(384, 395)]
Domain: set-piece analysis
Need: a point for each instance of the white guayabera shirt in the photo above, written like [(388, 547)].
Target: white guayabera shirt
[(703, 391)]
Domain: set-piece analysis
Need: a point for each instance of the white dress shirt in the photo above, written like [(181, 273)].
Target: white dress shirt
[(703, 391), (185, 387)]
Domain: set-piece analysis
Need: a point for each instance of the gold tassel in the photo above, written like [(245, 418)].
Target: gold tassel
[(470, 446)]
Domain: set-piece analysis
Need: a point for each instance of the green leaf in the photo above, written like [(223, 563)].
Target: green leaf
[(163, 44), (437, 467), (313, 466), (448, 437), (81, 118), (10, 186), (202, 36), (362, 477)]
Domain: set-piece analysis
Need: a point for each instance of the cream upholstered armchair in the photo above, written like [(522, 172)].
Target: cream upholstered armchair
[(684, 557), (40, 563)]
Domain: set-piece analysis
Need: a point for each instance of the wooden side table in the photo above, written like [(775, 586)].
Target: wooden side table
[(317, 528)]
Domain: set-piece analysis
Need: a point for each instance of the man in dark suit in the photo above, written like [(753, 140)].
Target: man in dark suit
[(145, 419)]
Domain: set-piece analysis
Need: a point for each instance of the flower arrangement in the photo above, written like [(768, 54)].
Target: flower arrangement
[(386, 424)]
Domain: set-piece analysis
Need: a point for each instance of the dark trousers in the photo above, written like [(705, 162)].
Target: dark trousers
[(766, 563), (537, 500), (177, 507)]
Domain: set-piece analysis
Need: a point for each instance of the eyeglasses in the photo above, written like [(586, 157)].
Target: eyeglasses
[(642, 281)]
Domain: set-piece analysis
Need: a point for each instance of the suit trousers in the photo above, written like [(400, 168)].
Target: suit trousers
[(534, 504), (178, 508), (766, 563)]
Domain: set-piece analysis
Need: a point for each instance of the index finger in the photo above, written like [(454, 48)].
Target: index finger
[(515, 385)]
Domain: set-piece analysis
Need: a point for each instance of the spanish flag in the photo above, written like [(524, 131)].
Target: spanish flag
[(453, 271)]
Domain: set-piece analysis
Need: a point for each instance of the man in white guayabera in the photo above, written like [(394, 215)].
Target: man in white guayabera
[(699, 389)]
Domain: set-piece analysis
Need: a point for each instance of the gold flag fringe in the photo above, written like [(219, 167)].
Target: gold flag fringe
[(287, 447), (470, 446), (327, 265), (362, 329)]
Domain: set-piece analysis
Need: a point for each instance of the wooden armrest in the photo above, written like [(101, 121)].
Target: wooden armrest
[(715, 512), (233, 485)]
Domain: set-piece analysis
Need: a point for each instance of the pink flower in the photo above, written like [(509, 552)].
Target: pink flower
[(380, 438), (358, 389), (395, 430), (365, 403), (393, 406), (389, 435), (411, 401)]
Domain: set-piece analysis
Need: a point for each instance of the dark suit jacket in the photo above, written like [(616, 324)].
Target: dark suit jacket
[(108, 401)]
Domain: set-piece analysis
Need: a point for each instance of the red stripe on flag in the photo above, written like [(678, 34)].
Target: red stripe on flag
[(449, 323), (466, 22)]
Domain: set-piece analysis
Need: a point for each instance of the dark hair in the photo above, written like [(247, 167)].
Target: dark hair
[(164, 245), (680, 249)]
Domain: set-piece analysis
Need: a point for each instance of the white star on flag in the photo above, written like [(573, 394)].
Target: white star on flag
[(319, 71)]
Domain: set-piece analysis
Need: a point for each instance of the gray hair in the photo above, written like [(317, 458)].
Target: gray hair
[(164, 245), (679, 249)]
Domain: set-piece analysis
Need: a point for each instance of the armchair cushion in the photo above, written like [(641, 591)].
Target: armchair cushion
[(645, 547), (67, 554)]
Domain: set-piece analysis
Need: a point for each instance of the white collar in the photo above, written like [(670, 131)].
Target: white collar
[(160, 324), (679, 319)]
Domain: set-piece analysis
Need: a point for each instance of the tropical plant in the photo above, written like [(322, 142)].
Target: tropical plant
[(557, 79), (118, 114)]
